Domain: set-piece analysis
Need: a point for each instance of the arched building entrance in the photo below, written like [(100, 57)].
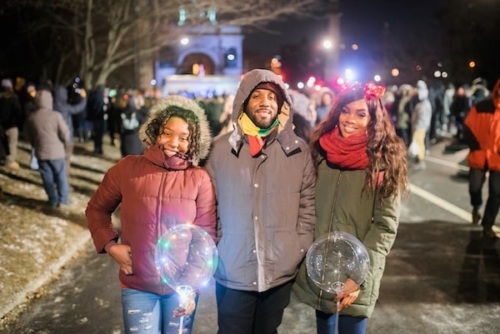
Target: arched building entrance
[(217, 48), (196, 64)]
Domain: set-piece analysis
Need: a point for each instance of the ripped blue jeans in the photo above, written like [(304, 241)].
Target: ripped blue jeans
[(146, 312)]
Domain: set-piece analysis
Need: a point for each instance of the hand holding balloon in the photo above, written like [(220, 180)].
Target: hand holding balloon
[(348, 295), (187, 304)]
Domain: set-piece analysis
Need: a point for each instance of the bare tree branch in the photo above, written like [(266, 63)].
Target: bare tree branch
[(107, 34)]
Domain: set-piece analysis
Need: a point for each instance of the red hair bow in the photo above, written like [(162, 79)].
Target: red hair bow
[(372, 90)]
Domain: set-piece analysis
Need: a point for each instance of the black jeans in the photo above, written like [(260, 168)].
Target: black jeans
[(477, 178), (99, 128), (251, 312)]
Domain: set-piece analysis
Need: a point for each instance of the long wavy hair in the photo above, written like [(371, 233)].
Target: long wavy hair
[(386, 151)]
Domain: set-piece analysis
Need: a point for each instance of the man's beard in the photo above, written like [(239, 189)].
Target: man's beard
[(262, 124)]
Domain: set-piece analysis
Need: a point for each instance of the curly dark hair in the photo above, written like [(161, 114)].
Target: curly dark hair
[(386, 151), (155, 127)]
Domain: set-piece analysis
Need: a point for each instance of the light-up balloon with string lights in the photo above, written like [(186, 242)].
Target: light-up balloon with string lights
[(334, 258), (186, 258)]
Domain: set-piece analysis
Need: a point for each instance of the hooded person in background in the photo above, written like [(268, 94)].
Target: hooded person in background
[(158, 190), (68, 110), (482, 135), (478, 91), (131, 119), (48, 134), (421, 122), (303, 117), (10, 117), (98, 107), (447, 101), (264, 178)]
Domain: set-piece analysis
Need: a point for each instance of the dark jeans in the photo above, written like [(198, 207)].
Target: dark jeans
[(477, 178), (55, 180), (325, 324), (4, 147), (99, 128), (251, 312)]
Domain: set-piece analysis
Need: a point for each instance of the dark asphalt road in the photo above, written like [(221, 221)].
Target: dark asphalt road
[(441, 276)]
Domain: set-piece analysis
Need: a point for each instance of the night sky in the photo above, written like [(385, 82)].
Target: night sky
[(362, 22), (366, 23)]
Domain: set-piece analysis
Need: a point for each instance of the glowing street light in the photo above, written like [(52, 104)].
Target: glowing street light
[(184, 41), (311, 81), (327, 44), (349, 74)]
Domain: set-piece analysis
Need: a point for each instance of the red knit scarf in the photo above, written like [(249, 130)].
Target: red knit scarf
[(347, 152)]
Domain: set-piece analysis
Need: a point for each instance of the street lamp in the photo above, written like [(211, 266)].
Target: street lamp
[(329, 59), (327, 44)]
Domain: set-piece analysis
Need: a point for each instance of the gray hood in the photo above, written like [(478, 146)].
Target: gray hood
[(44, 99), (422, 90), (247, 84)]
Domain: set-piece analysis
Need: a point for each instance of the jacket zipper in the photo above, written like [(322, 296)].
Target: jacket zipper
[(330, 226)]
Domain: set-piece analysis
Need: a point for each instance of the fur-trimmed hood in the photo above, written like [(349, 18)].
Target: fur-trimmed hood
[(161, 112)]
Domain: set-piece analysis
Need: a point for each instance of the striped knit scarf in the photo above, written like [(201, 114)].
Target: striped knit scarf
[(255, 134)]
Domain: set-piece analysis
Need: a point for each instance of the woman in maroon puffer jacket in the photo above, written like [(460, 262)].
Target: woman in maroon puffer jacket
[(160, 189)]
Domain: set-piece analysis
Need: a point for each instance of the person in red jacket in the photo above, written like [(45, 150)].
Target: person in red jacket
[(163, 188), (482, 135)]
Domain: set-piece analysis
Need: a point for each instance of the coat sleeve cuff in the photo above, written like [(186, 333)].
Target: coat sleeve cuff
[(109, 245)]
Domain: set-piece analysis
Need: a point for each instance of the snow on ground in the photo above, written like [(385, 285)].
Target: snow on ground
[(36, 240)]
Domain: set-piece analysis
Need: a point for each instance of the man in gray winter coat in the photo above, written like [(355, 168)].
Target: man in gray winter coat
[(48, 134), (264, 178)]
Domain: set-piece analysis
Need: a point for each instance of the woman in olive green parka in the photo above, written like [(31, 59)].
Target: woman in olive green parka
[(361, 176)]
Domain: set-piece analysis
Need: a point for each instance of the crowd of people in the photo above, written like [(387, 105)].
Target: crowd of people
[(265, 172)]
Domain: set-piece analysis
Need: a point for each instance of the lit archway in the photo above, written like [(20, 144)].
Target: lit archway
[(191, 63)]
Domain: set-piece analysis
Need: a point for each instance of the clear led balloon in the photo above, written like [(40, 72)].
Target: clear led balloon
[(186, 258), (334, 258), (186, 255)]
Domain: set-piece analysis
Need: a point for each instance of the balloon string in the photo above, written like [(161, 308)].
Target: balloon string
[(181, 324), (337, 318), (325, 255)]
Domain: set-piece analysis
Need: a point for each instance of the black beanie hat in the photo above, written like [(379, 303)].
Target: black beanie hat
[(280, 99)]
